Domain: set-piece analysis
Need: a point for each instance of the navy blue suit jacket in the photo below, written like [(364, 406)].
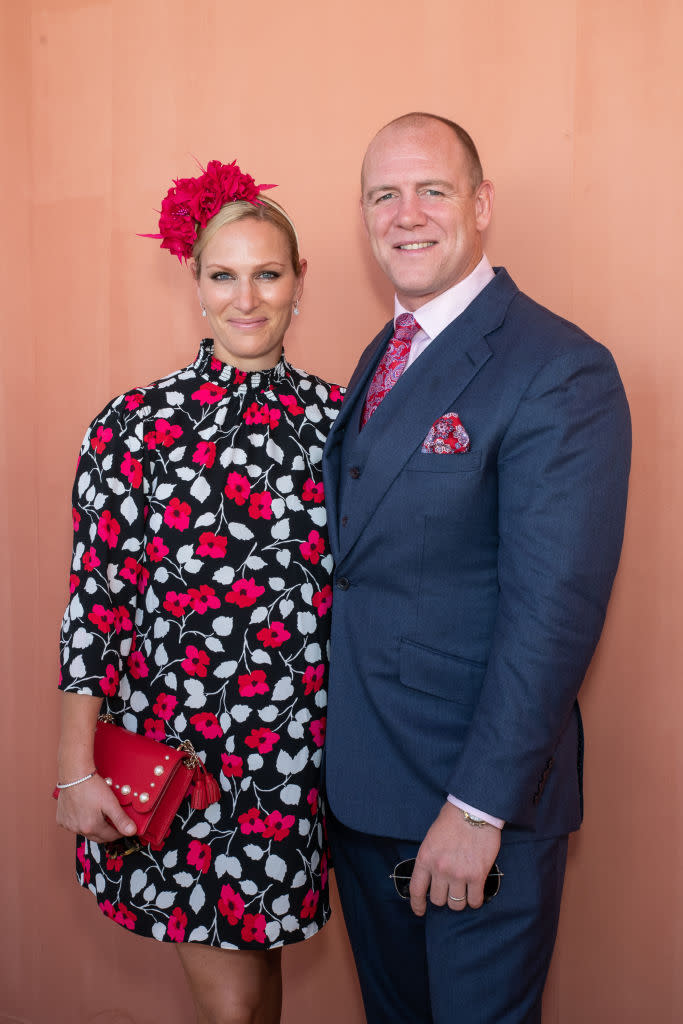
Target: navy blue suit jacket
[(471, 588)]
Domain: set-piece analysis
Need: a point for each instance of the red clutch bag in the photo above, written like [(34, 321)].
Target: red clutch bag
[(151, 779)]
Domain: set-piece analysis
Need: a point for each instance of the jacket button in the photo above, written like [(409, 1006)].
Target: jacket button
[(354, 472), (343, 583)]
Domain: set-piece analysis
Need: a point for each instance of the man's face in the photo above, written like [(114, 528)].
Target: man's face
[(422, 214)]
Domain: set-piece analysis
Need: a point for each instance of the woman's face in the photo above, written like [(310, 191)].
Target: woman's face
[(248, 287)]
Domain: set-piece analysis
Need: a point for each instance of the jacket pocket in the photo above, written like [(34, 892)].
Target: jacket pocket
[(456, 462), (443, 675)]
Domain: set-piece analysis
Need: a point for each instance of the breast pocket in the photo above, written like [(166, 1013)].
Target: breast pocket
[(457, 462)]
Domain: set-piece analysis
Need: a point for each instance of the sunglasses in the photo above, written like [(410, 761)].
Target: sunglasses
[(403, 872)]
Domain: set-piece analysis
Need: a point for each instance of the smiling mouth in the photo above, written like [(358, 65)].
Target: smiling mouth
[(247, 323), (411, 246)]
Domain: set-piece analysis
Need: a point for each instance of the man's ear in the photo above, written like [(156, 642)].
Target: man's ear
[(484, 203)]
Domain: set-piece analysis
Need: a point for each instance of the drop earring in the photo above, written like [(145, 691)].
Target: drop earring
[(296, 307), (203, 311)]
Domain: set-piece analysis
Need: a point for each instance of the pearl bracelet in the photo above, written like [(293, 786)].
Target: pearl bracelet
[(68, 785)]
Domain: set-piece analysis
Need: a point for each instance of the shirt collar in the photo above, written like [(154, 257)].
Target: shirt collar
[(438, 313)]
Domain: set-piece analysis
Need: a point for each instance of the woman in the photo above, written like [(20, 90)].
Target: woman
[(200, 606)]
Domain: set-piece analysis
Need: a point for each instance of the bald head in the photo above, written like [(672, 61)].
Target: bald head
[(410, 123)]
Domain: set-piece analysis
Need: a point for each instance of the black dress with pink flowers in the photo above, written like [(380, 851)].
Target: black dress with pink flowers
[(200, 610)]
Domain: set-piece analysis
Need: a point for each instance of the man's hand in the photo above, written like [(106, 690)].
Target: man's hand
[(453, 861)]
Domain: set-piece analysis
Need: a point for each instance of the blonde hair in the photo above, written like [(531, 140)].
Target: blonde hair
[(267, 210)]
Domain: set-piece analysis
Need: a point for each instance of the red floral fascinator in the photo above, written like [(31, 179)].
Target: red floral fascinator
[(191, 203)]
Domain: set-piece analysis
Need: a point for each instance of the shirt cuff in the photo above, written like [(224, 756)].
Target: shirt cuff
[(497, 822)]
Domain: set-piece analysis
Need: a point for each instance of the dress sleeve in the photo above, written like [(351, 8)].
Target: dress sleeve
[(107, 568)]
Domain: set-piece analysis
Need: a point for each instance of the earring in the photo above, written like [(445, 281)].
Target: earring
[(296, 307), (203, 311)]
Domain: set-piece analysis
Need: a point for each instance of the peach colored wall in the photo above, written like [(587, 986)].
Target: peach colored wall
[(577, 107)]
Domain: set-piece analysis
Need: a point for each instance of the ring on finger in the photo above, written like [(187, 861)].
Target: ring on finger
[(457, 899)]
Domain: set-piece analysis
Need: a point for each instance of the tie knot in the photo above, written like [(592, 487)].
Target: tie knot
[(406, 327)]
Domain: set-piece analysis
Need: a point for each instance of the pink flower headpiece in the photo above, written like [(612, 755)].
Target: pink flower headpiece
[(191, 203)]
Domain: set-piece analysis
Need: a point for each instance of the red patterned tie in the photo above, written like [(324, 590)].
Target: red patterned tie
[(391, 365)]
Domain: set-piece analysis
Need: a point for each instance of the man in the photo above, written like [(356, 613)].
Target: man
[(476, 483)]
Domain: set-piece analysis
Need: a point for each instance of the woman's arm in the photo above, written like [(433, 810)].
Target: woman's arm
[(86, 807)]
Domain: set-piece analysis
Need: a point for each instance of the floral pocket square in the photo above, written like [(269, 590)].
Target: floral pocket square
[(446, 436)]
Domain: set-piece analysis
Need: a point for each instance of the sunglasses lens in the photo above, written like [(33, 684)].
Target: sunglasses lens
[(402, 874), (492, 884)]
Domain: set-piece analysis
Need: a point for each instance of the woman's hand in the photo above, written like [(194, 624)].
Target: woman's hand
[(91, 809)]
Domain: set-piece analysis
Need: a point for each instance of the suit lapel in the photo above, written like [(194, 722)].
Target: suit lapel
[(426, 390)]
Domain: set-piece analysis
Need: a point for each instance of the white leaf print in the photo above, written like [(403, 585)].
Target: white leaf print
[(318, 515), (198, 934), (90, 585), (225, 669), (184, 879), (185, 553), (303, 715), (165, 900), (240, 712), (283, 557), (171, 859), (115, 485), (138, 701), (233, 457), (233, 867), (151, 600), (200, 830), (287, 765), (75, 607), (212, 643), (124, 689), (149, 893), (155, 521), (276, 867), (281, 904), (295, 730), (207, 519), (261, 657), (197, 898), (268, 714), (213, 813), (306, 623), (248, 887), (274, 451), (285, 606), (90, 496), (172, 684), (315, 454), (290, 923), (298, 463), (129, 509), (290, 794), (193, 565), (160, 655), (277, 507), (163, 492), (132, 544), (161, 628), (299, 879), (304, 827), (128, 721), (283, 689), (276, 583), (196, 697), (307, 593), (312, 653), (240, 531), (222, 625), (137, 880), (180, 722), (185, 473), (253, 471), (83, 483), (255, 853), (200, 489), (258, 615), (294, 503), (254, 562), (125, 646), (77, 668), (315, 859), (313, 413), (99, 880), (284, 484), (159, 931), (321, 393), (273, 929), (82, 638), (225, 575), (254, 762), (115, 586), (256, 440), (321, 699), (174, 397)]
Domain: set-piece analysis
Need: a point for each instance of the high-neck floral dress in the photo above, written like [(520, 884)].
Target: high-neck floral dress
[(200, 610)]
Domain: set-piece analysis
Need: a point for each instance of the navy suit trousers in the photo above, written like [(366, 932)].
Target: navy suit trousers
[(484, 966)]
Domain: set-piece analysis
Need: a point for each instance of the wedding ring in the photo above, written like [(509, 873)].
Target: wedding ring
[(458, 899)]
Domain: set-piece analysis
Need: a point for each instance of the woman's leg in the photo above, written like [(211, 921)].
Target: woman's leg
[(233, 986)]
